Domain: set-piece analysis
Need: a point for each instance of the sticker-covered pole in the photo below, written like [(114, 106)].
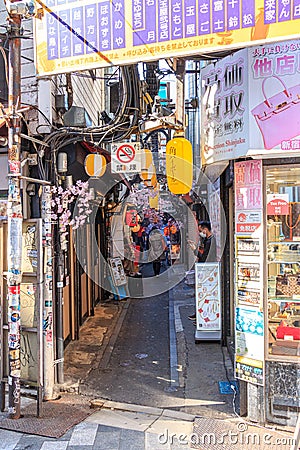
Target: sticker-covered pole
[(14, 217)]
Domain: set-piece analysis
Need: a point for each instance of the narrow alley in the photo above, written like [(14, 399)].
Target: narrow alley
[(150, 385)]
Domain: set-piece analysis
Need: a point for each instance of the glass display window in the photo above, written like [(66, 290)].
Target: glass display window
[(283, 260)]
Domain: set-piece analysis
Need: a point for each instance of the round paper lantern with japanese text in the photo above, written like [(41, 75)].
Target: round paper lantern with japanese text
[(179, 165)]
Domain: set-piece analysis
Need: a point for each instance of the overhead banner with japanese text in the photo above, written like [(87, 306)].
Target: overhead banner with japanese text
[(81, 35)]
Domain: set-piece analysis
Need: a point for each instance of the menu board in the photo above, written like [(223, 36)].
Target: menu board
[(117, 271), (208, 298)]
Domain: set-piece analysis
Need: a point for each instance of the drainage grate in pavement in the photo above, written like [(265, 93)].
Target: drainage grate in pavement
[(225, 387), (213, 434), (56, 419)]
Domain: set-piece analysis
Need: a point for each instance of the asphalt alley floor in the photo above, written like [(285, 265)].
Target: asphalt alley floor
[(196, 405)]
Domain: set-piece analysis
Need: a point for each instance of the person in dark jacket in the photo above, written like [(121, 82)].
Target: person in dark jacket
[(207, 250)]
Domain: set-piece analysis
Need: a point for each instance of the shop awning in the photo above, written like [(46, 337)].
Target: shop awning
[(214, 171)]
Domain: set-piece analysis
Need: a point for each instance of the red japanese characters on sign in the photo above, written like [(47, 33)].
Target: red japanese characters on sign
[(248, 196), (250, 228), (278, 205)]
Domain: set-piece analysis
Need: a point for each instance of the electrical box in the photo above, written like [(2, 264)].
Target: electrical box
[(75, 117)]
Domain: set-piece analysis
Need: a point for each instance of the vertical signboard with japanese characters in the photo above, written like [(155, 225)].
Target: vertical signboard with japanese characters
[(249, 318), (274, 104), (224, 127), (248, 196)]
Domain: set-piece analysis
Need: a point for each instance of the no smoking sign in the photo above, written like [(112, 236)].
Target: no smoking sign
[(125, 157)]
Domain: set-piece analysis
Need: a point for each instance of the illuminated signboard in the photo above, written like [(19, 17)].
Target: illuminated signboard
[(250, 104), (80, 35)]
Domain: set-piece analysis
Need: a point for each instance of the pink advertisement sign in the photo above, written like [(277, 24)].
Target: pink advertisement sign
[(248, 196), (251, 103), (248, 180), (278, 204), (274, 83)]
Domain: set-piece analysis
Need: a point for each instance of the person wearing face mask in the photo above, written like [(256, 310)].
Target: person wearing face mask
[(207, 252)]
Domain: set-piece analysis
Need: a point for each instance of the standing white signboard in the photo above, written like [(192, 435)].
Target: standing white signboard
[(126, 157), (208, 301)]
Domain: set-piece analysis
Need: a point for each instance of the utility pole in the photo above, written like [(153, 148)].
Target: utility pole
[(16, 10), (14, 216)]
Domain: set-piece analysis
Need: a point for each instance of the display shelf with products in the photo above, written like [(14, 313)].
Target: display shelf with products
[(284, 252), (284, 297), (283, 260)]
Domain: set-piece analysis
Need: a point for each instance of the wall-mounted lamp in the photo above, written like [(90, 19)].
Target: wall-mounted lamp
[(62, 163)]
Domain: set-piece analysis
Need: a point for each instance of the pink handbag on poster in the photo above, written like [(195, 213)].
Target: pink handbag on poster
[(278, 117)]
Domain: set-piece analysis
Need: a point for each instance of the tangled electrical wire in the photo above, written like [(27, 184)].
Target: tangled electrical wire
[(122, 126)]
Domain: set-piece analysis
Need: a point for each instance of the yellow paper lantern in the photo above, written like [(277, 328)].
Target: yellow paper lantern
[(153, 181), (95, 165), (149, 176), (153, 202), (146, 158), (179, 165), (154, 199)]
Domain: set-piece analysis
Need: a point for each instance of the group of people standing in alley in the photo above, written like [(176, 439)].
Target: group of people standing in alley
[(154, 238)]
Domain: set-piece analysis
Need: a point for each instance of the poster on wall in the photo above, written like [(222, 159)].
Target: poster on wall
[(274, 83), (278, 204), (247, 246), (117, 271), (249, 370), (29, 247), (248, 284), (249, 344)]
